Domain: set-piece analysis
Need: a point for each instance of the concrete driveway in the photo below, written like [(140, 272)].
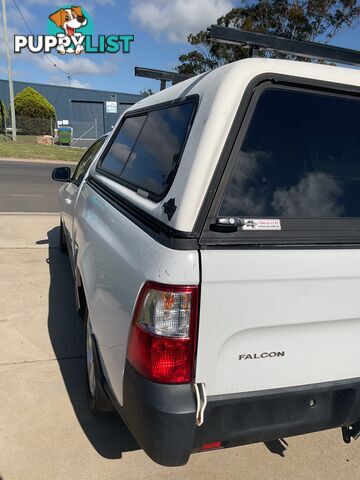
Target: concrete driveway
[(46, 428)]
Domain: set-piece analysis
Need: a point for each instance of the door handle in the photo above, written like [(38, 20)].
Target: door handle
[(68, 200)]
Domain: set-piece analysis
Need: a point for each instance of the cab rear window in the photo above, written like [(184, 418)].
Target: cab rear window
[(300, 158)]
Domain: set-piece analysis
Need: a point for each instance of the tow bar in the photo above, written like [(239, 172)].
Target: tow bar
[(351, 431)]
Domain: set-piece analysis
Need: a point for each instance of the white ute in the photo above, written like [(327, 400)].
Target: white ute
[(215, 243)]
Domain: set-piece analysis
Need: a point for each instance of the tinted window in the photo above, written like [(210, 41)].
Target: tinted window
[(124, 142), (86, 160), (300, 158), (156, 154)]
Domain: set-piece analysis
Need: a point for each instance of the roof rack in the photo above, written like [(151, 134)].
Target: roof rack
[(161, 75), (261, 41)]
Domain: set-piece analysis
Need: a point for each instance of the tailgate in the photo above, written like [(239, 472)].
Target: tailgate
[(275, 319)]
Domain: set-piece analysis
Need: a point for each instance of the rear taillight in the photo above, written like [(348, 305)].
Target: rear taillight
[(163, 334)]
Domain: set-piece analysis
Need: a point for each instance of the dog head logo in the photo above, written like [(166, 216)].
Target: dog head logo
[(69, 19)]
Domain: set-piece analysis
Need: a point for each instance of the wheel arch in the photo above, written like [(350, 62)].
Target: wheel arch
[(80, 297)]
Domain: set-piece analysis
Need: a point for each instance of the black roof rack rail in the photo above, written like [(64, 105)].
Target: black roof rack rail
[(161, 75), (261, 41)]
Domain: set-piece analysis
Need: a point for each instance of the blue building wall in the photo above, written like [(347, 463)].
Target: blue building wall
[(65, 99)]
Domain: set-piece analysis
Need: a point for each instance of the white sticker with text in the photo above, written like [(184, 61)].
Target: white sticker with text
[(261, 224)]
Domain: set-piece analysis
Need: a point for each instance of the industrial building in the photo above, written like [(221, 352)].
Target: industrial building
[(91, 113)]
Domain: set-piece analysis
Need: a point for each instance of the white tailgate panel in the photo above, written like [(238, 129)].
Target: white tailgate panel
[(305, 303)]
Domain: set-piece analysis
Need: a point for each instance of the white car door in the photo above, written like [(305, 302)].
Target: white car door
[(71, 189)]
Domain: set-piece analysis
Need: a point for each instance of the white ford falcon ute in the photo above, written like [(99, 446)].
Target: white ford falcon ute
[(214, 238)]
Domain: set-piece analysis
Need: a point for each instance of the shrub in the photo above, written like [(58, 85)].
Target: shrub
[(2, 117), (34, 114)]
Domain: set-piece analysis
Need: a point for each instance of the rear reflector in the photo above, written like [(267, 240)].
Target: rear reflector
[(162, 337), (210, 446)]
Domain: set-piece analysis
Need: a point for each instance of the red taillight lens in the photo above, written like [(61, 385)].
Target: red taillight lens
[(162, 337)]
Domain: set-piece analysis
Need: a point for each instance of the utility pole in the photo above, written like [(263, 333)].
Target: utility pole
[(11, 85)]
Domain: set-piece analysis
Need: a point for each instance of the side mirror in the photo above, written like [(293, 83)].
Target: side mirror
[(61, 174)]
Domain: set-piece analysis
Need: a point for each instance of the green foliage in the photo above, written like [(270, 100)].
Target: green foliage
[(2, 117), (195, 63), (295, 19), (147, 92), (34, 114)]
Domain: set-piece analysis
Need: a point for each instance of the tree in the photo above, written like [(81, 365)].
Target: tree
[(2, 117), (147, 92), (294, 19), (34, 114)]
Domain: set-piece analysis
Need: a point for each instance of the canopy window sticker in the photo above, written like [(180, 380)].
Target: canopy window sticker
[(70, 31)]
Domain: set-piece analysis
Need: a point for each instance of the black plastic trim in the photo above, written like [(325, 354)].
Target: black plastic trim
[(209, 208), (253, 417), (159, 231), (160, 417), (138, 112)]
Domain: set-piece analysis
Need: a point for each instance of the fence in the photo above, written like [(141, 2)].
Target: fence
[(27, 129), (85, 133), (38, 130)]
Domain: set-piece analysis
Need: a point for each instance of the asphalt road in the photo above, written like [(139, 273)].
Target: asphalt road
[(28, 187)]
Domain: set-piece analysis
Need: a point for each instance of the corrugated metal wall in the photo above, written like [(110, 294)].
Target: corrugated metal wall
[(66, 100)]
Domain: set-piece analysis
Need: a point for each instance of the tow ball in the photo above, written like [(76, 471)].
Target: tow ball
[(351, 431)]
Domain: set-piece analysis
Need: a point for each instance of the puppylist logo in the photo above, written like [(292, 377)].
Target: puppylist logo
[(71, 32)]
